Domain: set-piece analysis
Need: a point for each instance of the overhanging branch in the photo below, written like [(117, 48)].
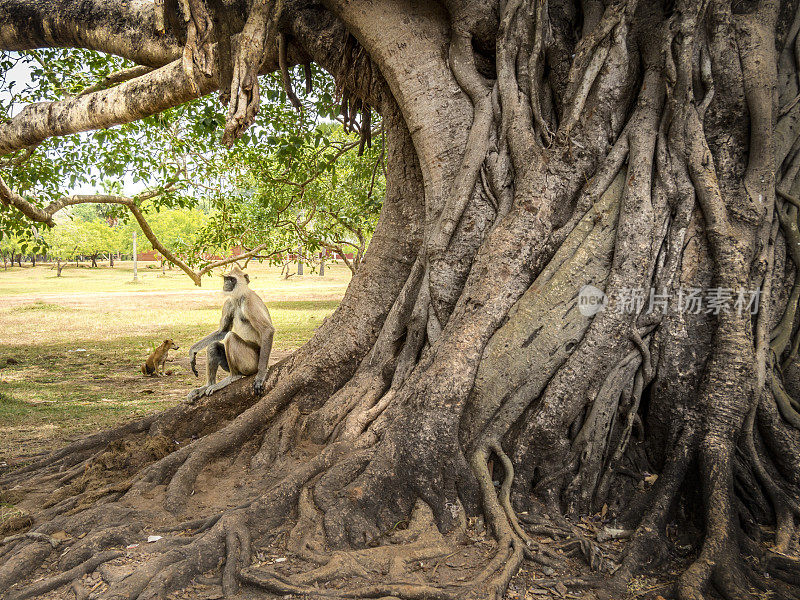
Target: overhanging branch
[(33, 212), (117, 77), (118, 27), (10, 198), (130, 101)]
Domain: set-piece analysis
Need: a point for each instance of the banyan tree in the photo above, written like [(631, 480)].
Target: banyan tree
[(471, 397)]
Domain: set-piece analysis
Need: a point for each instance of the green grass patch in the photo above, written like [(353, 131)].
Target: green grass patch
[(39, 306)]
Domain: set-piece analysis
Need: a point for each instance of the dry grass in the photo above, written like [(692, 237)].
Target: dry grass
[(77, 342)]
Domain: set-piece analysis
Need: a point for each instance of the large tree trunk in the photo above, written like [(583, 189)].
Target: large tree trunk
[(534, 148)]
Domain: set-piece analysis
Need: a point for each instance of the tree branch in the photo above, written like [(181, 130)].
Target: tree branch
[(285, 75), (33, 212), (129, 101), (226, 261), (118, 27), (10, 198), (148, 233), (115, 78)]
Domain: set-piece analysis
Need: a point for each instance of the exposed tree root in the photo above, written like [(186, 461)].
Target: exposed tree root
[(66, 577), (231, 436), (422, 553), (25, 560)]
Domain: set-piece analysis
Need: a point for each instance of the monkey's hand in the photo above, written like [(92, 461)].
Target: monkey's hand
[(260, 384), (193, 363)]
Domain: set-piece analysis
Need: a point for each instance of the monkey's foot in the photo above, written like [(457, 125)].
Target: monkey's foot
[(196, 394), (210, 389)]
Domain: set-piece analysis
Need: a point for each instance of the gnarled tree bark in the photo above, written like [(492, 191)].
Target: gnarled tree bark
[(534, 147)]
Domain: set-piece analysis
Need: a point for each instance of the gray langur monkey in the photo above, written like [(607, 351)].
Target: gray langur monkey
[(243, 342)]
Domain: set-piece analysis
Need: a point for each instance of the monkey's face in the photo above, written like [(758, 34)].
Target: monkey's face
[(235, 281)]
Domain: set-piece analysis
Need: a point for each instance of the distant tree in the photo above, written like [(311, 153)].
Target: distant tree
[(63, 243), (14, 246), (96, 237), (9, 247), (177, 229), (86, 212)]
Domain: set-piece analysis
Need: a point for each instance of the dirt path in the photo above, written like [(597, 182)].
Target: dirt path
[(147, 299), (83, 299), (66, 296)]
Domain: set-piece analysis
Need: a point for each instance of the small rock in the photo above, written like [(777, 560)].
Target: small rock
[(60, 536), (153, 538)]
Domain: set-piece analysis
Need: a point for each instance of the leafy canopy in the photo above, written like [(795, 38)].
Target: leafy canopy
[(293, 179)]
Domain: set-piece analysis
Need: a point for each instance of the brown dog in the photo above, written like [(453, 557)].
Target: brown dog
[(158, 358)]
